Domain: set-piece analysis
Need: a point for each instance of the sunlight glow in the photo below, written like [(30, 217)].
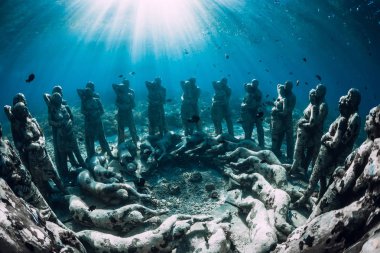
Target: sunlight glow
[(145, 27)]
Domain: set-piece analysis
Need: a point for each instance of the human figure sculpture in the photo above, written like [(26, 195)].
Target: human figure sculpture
[(125, 102), (156, 112), (309, 132), (337, 144), (19, 97), (282, 120), (19, 179), (189, 107), (92, 109), (251, 113), (220, 108), (33, 149), (60, 118)]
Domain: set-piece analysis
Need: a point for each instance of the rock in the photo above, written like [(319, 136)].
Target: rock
[(214, 195), (195, 177), (174, 189), (210, 187)]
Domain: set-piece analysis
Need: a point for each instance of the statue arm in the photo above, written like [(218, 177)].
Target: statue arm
[(47, 97), (338, 136), (8, 112), (353, 129)]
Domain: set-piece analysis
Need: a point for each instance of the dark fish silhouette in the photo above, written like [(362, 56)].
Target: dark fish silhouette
[(267, 70), (306, 83), (169, 100), (259, 115), (227, 56), (365, 87), (30, 78), (132, 73), (260, 61), (185, 51), (194, 119), (91, 208), (318, 77), (121, 75), (304, 59), (267, 96), (290, 73)]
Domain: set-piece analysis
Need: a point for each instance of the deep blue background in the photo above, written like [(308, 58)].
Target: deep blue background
[(263, 39)]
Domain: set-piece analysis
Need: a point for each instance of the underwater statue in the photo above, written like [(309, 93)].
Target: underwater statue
[(282, 120), (189, 107), (309, 132), (19, 97), (220, 108), (60, 118), (337, 144), (251, 112), (20, 181), (33, 149), (74, 162), (92, 109), (156, 112), (125, 102)]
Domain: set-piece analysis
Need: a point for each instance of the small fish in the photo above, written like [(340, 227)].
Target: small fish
[(132, 73), (297, 82), (259, 115), (30, 78), (91, 208), (318, 77), (249, 72), (306, 83), (229, 75), (226, 56), (267, 70), (267, 96), (260, 61), (194, 119), (185, 51), (290, 73), (169, 100), (214, 65), (304, 59), (121, 76)]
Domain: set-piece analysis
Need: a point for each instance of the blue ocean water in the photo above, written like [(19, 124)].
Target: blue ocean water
[(69, 42)]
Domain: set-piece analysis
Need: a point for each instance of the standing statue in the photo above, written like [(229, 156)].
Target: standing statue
[(60, 118), (125, 102), (282, 121), (34, 151), (156, 112), (19, 179), (189, 107), (251, 114), (92, 109), (309, 132), (337, 144), (220, 108), (19, 97)]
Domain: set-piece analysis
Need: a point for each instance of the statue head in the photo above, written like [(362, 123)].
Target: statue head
[(56, 99), (354, 99), (90, 85), (157, 80), (313, 96), (58, 89), (20, 111), (192, 80), (19, 97), (125, 82), (224, 81), (288, 86), (343, 106), (372, 123), (255, 83), (321, 91)]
